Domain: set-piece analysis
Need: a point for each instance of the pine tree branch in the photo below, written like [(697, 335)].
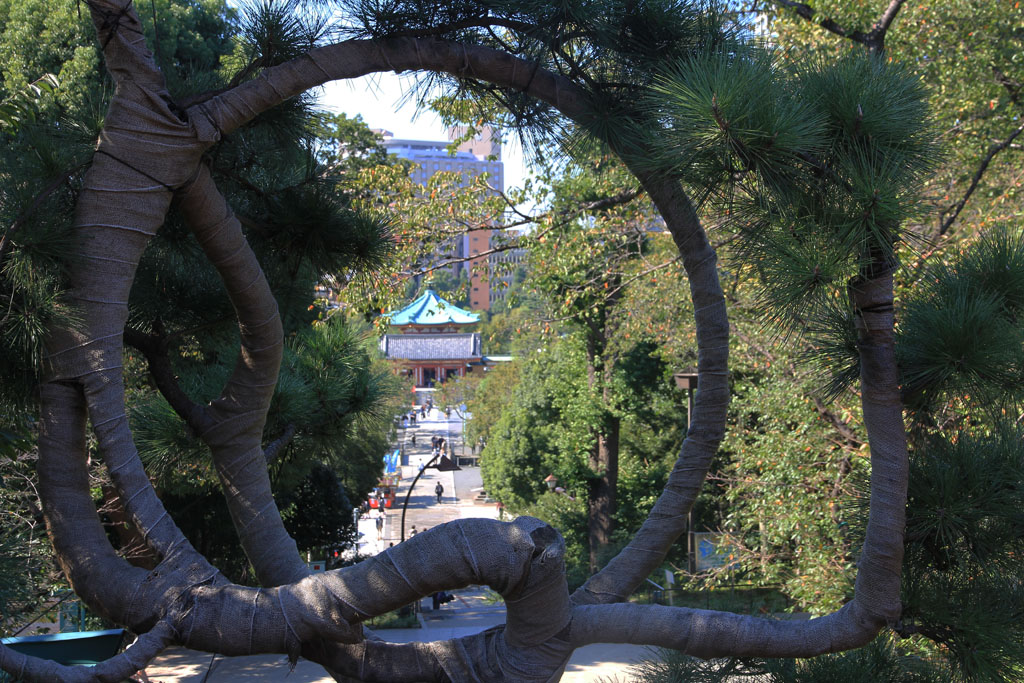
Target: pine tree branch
[(83, 373), (273, 449), (1013, 87), (874, 39), (473, 22), (37, 201), (239, 412), (154, 349), (807, 12), (947, 217), (619, 199), (937, 634), (888, 16)]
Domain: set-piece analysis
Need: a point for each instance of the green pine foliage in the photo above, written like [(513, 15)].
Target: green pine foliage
[(814, 164), (962, 587), (290, 175), (961, 334), (974, 91), (879, 662)]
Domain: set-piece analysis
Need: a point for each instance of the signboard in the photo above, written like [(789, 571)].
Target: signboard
[(713, 551), (318, 566), (391, 461)]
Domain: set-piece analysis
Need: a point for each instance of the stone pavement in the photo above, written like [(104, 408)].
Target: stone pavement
[(469, 613), (460, 487)]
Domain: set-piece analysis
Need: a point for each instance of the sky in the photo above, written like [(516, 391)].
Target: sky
[(377, 100)]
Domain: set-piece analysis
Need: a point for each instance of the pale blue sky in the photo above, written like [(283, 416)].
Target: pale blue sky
[(376, 100)]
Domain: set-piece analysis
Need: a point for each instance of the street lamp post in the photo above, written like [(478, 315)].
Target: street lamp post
[(688, 381), (445, 465), (552, 482)]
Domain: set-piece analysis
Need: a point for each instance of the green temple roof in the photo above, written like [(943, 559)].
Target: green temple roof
[(430, 309)]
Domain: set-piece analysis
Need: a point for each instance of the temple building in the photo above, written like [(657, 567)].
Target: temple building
[(434, 341)]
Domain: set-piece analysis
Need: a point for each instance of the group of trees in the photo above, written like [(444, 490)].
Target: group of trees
[(810, 164), (789, 483), (331, 408)]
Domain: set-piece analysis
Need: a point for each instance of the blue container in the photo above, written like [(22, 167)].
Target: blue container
[(81, 647)]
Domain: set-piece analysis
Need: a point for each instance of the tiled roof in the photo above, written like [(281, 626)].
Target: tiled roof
[(430, 309), (431, 346)]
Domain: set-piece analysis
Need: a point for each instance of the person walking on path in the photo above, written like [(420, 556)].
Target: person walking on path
[(439, 491), (380, 524)]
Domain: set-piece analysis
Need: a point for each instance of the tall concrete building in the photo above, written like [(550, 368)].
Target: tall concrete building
[(480, 154)]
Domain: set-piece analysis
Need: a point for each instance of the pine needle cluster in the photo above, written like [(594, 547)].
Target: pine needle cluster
[(962, 334)]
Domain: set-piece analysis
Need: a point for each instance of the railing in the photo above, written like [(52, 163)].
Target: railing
[(742, 598), (70, 614)]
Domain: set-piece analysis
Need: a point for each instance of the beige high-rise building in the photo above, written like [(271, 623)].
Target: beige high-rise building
[(480, 154)]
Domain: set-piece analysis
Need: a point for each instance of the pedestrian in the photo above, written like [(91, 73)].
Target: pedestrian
[(423, 412), (433, 442), (413, 439), (413, 531), (441, 597), (439, 491), (380, 524)]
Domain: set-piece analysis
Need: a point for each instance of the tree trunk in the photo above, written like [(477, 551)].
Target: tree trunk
[(603, 488)]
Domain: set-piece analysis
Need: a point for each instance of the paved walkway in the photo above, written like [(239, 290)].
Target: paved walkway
[(469, 613), (466, 615), (460, 487)]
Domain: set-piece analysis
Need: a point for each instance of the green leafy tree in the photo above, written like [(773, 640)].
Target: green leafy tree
[(545, 428), (581, 262), (975, 89), (788, 480), (320, 518)]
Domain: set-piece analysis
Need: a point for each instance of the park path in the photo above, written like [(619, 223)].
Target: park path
[(472, 611)]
